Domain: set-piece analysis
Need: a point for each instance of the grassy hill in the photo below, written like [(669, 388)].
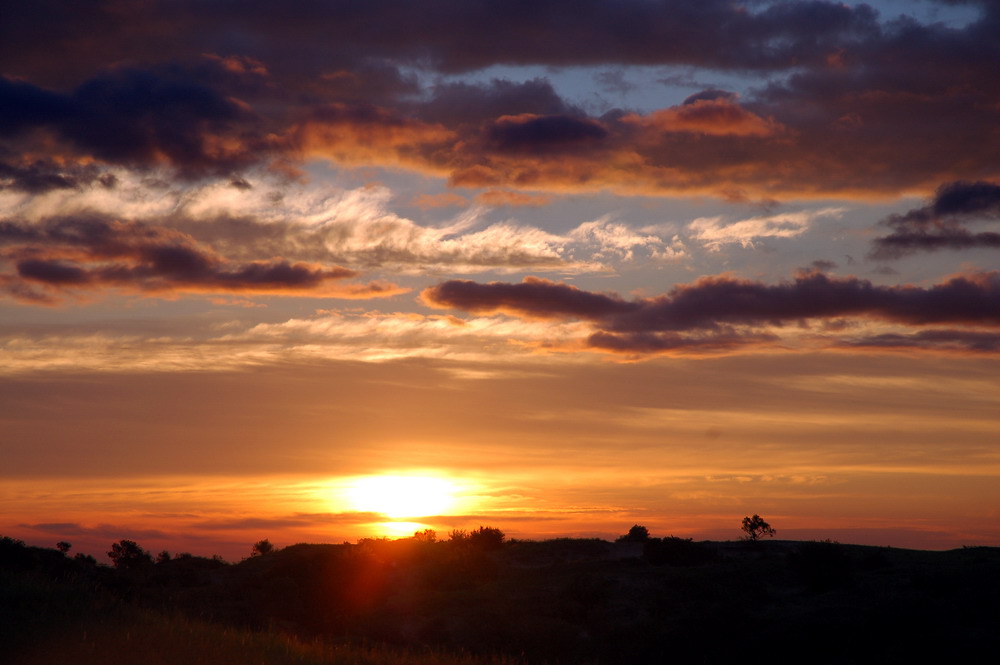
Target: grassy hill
[(557, 601)]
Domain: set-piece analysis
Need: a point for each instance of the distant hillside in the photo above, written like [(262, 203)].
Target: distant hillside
[(557, 601)]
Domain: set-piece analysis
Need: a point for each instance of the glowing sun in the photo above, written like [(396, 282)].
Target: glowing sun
[(402, 496)]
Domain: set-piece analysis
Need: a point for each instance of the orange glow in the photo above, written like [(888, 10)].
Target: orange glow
[(398, 496), (399, 529)]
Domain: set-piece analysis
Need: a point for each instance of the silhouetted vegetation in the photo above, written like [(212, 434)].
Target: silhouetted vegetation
[(558, 601), (127, 555), (637, 534), (756, 528), (262, 547)]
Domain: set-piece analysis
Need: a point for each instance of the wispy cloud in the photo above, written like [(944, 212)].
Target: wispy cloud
[(713, 232)]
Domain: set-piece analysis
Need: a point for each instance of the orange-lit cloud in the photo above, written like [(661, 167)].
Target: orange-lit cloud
[(719, 117), (364, 134)]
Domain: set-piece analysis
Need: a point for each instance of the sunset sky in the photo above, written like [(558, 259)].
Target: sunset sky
[(321, 270)]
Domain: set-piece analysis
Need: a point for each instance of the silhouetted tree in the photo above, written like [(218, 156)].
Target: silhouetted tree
[(425, 536), (262, 547), (637, 534), (756, 528), (487, 538), (163, 557), (127, 555), (85, 559), (63, 546)]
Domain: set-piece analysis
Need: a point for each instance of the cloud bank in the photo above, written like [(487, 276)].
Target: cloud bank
[(856, 105), (725, 312)]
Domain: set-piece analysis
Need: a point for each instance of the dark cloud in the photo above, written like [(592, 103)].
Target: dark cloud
[(856, 106), (44, 175), (461, 103), (551, 133), (139, 118), (534, 297), (67, 255), (298, 519), (941, 340), (645, 343), (451, 35), (823, 265), (941, 224), (710, 95), (724, 312), (109, 531)]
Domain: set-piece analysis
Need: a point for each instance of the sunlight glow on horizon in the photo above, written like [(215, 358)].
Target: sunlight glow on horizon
[(402, 496)]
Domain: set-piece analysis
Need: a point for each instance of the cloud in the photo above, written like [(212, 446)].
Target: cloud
[(930, 340), (139, 118), (65, 256), (941, 224), (353, 336), (362, 133), (533, 298), (719, 116), (109, 531), (42, 176), (724, 312), (645, 343), (528, 132), (839, 110), (714, 233), (322, 224), (461, 103), (294, 520), (616, 239), (450, 35)]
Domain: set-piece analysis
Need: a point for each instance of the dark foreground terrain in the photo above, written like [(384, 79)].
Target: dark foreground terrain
[(560, 601)]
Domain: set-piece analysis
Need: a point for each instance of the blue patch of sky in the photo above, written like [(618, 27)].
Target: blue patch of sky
[(599, 89)]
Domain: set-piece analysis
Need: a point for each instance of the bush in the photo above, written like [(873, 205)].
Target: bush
[(637, 534), (487, 538)]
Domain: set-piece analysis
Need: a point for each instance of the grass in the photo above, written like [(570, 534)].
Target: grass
[(45, 623), (152, 639)]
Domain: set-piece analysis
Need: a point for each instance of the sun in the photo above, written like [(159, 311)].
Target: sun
[(399, 496)]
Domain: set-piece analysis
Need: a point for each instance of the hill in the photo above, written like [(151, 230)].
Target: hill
[(557, 601)]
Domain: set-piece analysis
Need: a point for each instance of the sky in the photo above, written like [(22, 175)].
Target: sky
[(318, 271)]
